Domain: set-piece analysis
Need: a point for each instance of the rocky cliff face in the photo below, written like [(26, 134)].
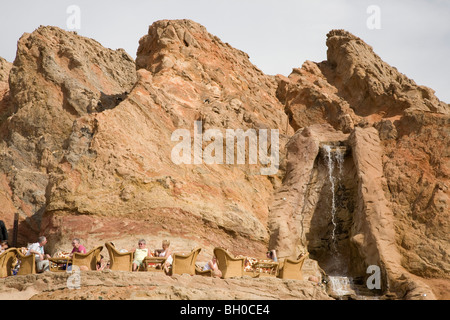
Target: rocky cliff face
[(106, 163), (56, 78), (88, 151), (394, 174)]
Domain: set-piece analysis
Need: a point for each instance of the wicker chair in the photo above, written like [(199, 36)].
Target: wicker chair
[(27, 263), (88, 260), (292, 269), (7, 259), (185, 263), (122, 261), (229, 265)]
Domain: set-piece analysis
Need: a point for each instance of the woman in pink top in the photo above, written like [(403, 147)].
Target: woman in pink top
[(77, 247)]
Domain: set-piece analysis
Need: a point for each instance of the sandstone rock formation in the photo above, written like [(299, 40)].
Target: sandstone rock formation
[(370, 85), (118, 173), (309, 99), (87, 151), (106, 163), (382, 195), (56, 77)]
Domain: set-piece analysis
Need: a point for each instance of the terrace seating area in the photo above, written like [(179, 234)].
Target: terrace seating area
[(14, 261)]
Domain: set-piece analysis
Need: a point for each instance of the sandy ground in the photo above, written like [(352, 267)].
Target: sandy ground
[(440, 287), (118, 285)]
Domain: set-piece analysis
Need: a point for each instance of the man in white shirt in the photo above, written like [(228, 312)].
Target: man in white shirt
[(42, 263)]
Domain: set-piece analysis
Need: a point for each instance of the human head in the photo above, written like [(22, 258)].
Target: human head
[(165, 244), (42, 240), (270, 254), (142, 243), (76, 243), (4, 244)]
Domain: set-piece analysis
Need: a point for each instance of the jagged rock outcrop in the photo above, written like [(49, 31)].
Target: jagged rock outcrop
[(216, 82), (57, 76), (374, 232), (370, 85), (88, 146), (5, 105), (118, 173), (309, 99), (6, 196), (5, 68), (79, 76), (417, 171), (400, 178), (415, 128), (363, 233), (354, 86)]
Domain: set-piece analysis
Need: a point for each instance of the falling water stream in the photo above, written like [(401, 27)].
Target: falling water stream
[(334, 159), (341, 284), (330, 158)]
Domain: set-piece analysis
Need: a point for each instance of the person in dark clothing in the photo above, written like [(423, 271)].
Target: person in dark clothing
[(3, 231)]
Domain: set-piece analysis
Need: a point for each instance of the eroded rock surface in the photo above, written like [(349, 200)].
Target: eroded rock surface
[(120, 285), (403, 176), (57, 76), (118, 167), (87, 143)]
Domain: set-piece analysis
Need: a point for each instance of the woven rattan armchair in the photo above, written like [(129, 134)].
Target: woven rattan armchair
[(27, 263), (292, 269), (88, 260), (185, 263), (122, 261), (229, 265), (7, 259)]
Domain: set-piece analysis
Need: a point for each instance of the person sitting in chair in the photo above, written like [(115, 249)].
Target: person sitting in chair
[(77, 247), (165, 252), (212, 265), (4, 246), (37, 248), (139, 254), (272, 255)]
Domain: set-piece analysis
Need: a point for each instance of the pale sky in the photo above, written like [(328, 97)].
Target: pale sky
[(413, 35)]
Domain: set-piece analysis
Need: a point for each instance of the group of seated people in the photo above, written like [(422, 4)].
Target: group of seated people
[(140, 253), (43, 264)]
